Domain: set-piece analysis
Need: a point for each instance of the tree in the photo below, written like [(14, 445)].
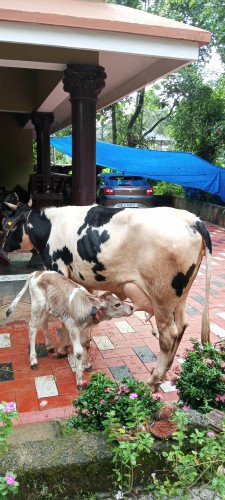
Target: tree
[(206, 14), (135, 4), (198, 122), (130, 121)]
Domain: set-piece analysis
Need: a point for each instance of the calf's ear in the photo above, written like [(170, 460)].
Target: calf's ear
[(30, 202), (106, 296)]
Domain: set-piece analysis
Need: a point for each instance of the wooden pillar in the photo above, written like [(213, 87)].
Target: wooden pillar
[(42, 123), (84, 83)]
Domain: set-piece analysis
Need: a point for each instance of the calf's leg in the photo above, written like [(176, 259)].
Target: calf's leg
[(38, 310), (78, 352), (65, 343), (48, 340), (33, 328), (85, 342)]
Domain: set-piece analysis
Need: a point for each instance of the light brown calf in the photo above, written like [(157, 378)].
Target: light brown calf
[(53, 293)]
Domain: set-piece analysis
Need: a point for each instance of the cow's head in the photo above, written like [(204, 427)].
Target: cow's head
[(13, 225)]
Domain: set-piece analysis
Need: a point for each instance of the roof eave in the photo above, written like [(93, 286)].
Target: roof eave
[(184, 32)]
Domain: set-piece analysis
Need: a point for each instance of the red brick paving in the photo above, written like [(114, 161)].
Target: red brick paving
[(22, 388)]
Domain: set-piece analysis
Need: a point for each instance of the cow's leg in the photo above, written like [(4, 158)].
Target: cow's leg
[(48, 340), (182, 324), (65, 343), (168, 334)]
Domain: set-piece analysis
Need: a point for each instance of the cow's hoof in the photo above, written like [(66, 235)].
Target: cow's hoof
[(153, 384), (34, 367), (80, 388), (51, 350)]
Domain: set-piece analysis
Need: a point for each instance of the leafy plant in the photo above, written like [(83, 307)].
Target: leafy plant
[(123, 410), (8, 481), (201, 384), (195, 458), (130, 442), (104, 395), (166, 188)]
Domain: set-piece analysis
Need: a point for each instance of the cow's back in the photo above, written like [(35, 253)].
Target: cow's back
[(103, 248)]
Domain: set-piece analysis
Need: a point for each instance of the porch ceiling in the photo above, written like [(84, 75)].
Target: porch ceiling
[(38, 39)]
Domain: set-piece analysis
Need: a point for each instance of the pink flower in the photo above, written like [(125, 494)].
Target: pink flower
[(109, 389), (221, 469), (10, 480), (116, 397), (123, 389), (186, 408), (208, 362), (222, 365), (220, 397), (9, 407), (157, 396), (133, 395), (102, 401), (211, 434)]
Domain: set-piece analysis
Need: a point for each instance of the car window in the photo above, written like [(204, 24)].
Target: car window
[(131, 180)]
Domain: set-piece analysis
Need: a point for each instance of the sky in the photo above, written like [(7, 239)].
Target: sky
[(214, 68)]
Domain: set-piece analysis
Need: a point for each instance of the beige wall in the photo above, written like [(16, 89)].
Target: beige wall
[(16, 156)]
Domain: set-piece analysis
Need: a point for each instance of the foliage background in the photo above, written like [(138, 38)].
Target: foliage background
[(188, 107)]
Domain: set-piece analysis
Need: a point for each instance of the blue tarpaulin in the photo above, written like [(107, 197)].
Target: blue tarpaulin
[(185, 169)]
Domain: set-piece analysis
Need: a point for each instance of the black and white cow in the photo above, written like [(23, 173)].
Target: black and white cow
[(150, 255)]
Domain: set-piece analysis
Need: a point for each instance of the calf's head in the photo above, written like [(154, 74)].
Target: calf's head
[(108, 306), (13, 226)]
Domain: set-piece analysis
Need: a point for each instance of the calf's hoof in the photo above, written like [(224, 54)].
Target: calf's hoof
[(60, 355), (88, 369), (51, 349), (81, 386), (34, 367)]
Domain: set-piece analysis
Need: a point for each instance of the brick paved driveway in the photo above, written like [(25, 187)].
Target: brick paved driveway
[(119, 348)]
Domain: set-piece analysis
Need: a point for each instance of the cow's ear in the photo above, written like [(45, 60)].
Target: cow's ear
[(30, 202), (10, 205)]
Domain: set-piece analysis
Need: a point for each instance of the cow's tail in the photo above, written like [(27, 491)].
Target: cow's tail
[(205, 331), (20, 295)]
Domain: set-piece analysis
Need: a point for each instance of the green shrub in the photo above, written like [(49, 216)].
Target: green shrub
[(201, 384), (123, 410), (104, 395), (166, 188), (195, 458)]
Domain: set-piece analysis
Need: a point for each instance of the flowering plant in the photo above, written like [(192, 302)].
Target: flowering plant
[(201, 383), (104, 395), (8, 481), (196, 458)]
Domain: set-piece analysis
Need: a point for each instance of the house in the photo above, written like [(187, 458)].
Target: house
[(62, 61)]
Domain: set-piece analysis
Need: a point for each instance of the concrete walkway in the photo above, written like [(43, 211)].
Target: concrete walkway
[(119, 348)]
